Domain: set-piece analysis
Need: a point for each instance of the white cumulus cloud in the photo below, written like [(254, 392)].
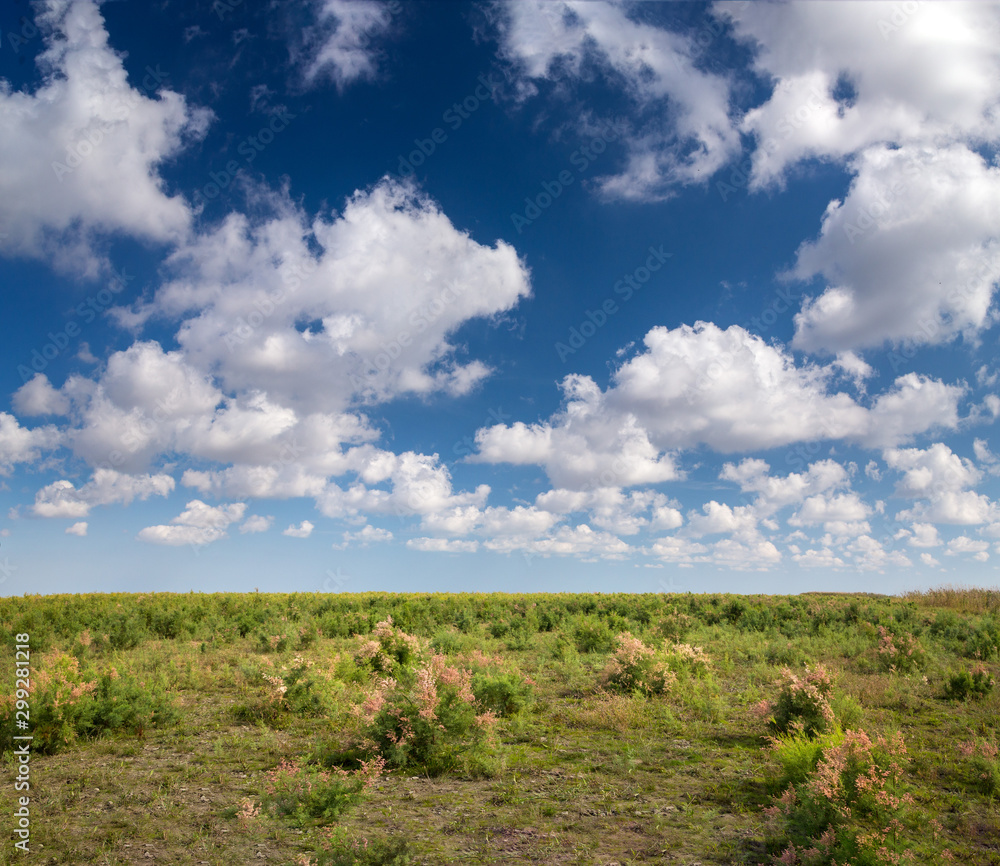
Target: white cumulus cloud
[(303, 530), (87, 144), (198, 524)]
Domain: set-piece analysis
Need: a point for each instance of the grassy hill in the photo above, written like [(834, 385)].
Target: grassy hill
[(491, 728)]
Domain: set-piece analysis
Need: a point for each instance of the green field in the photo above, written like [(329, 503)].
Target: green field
[(490, 728)]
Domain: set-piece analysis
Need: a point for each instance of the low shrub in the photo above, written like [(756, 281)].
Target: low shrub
[(427, 719), (689, 661), (593, 636), (636, 667), (899, 653), (448, 641), (803, 701), (798, 755), (301, 794), (272, 643), (563, 649), (337, 848), (974, 684), (388, 649), (521, 634), (126, 632), (847, 711), (504, 694), (851, 808), (305, 693), (983, 759), (675, 625), (67, 703)]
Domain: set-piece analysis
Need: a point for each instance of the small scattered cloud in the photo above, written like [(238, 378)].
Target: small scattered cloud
[(256, 523), (303, 530)]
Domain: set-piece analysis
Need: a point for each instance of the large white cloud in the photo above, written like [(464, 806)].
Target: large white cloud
[(106, 486), (368, 317), (583, 447), (904, 96), (684, 132), (729, 553), (442, 545), (911, 255), (850, 75), (776, 492), (149, 403), (728, 390), (38, 397), (87, 145), (579, 540), (940, 481), (718, 518), (613, 509), (418, 485)]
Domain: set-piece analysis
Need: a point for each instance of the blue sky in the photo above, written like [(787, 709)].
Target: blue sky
[(583, 296)]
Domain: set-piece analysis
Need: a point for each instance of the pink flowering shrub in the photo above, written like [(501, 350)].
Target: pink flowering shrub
[(803, 701), (983, 761), (67, 703), (388, 649), (302, 793), (338, 847), (273, 643), (675, 625), (247, 813), (899, 653), (635, 667), (426, 718), (301, 687), (852, 808), (420, 710), (688, 660)]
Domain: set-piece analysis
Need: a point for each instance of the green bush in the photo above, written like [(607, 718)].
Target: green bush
[(303, 691), (847, 711), (301, 793), (338, 849), (448, 641), (674, 626), (272, 643), (521, 634), (593, 636), (974, 684), (984, 764), (126, 632), (346, 670), (899, 653), (688, 661), (563, 649), (784, 653), (798, 755), (548, 618), (503, 694)]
